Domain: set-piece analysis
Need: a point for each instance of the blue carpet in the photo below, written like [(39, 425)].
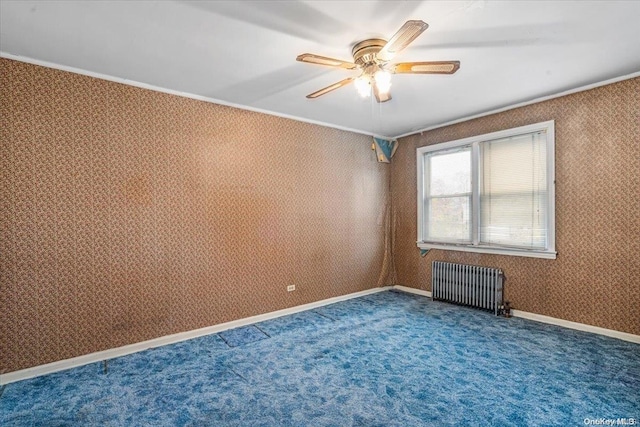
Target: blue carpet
[(243, 335), (386, 359)]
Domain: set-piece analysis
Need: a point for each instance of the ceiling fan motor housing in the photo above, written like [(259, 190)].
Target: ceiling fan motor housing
[(365, 53)]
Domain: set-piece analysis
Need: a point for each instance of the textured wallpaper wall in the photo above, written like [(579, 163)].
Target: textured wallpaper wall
[(596, 278), (127, 214)]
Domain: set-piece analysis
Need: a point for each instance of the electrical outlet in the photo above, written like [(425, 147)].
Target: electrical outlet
[(291, 288)]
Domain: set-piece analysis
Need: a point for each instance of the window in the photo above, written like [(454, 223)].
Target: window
[(491, 193)]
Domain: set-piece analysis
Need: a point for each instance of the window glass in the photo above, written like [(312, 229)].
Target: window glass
[(448, 198)]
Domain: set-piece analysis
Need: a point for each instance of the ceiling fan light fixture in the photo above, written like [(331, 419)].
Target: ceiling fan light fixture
[(383, 80), (363, 86), (372, 57)]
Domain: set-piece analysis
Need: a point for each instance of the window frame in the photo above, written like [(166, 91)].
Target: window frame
[(549, 252)]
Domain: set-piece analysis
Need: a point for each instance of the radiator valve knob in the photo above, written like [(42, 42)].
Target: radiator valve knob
[(506, 310)]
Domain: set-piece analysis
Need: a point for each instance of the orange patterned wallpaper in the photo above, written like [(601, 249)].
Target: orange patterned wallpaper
[(128, 214), (596, 278)]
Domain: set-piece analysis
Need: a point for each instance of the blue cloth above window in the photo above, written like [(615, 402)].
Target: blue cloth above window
[(384, 149)]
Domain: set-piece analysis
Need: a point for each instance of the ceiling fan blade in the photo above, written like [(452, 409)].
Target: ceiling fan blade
[(323, 60), (405, 35), (330, 88), (381, 96), (433, 67)]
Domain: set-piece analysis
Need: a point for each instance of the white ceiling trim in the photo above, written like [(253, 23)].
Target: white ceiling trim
[(243, 52), (301, 119), (525, 103), (177, 93)]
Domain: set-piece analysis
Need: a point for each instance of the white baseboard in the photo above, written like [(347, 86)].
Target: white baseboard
[(578, 326), (625, 336), (99, 356), (413, 290)]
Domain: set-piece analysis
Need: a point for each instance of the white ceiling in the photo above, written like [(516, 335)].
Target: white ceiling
[(243, 52)]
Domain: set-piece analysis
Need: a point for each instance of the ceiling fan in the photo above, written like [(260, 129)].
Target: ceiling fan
[(373, 57)]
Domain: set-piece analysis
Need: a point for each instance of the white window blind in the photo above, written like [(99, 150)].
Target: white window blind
[(513, 191)]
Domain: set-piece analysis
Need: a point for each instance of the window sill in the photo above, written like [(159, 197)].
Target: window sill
[(490, 250)]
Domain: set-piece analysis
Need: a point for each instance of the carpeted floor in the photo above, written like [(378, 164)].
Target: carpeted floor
[(386, 359)]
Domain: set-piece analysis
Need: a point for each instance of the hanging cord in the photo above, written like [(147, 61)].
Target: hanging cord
[(388, 269)]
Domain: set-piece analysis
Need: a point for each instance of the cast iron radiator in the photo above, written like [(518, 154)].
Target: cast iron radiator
[(469, 285)]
